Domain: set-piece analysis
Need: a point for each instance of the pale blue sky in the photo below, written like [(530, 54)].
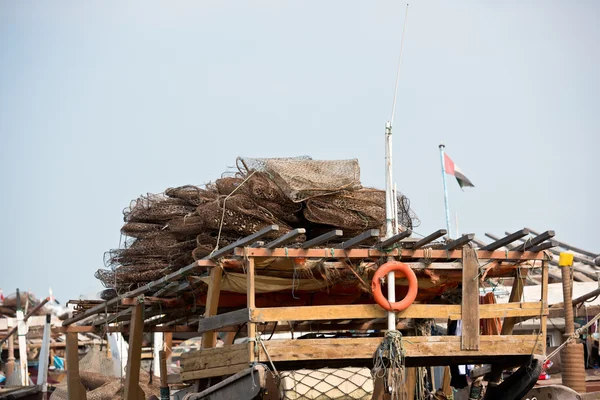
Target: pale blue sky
[(103, 101)]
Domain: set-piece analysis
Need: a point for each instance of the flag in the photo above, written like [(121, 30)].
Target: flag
[(452, 169)]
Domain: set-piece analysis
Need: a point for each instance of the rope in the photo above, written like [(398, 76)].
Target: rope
[(389, 362), (573, 336)]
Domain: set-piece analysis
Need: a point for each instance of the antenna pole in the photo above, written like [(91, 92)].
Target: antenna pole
[(446, 205), (389, 220)]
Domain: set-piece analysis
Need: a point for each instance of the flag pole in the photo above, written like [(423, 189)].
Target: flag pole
[(447, 206)]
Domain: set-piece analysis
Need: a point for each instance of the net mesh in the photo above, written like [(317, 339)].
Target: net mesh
[(327, 384), (168, 231)]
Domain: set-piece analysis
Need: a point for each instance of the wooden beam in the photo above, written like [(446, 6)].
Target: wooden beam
[(544, 299), (209, 338), (207, 373), (415, 346), (405, 254), (323, 239), (372, 311), (222, 320), (470, 300), (573, 248), (535, 241), (505, 241), (384, 244), (251, 304), (515, 296), (75, 389), (355, 241), (132, 374), (455, 244), (285, 239), (427, 239)]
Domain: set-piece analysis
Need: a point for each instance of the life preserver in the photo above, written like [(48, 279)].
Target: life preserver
[(413, 286)]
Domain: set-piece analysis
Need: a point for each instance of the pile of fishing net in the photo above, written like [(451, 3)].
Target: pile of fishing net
[(170, 230), (8, 306)]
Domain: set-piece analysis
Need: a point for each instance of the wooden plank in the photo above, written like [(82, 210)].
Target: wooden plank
[(384, 244), (355, 241), (470, 301), (207, 360), (323, 239), (404, 254), (251, 304), (209, 338), (515, 296), (222, 320), (427, 239), (544, 246), (411, 382), (210, 372), (529, 243), (455, 244), (569, 247), (132, 374), (415, 346), (372, 311), (505, 241), (285, 239), (75, 388), (544, 299)]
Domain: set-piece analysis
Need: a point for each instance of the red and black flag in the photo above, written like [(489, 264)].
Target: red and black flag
[(452, 169)]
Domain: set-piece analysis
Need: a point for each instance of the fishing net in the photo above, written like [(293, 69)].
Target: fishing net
[(303, 178), (168, 231), (327, 384)]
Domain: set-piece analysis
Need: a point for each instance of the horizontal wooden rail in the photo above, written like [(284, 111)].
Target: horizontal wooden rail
[(375, 253), (371, 311)]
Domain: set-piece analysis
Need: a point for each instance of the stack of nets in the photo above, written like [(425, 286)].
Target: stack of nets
[(168, 231)]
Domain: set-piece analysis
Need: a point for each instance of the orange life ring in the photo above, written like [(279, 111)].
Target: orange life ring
[(413, 286)]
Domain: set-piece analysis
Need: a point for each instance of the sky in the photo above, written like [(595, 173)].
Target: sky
[(103, 101)]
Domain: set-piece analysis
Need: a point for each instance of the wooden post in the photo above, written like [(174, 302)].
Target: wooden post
[(168, 343), (209, 339), (515, 296), (470, 300), (446, 388), (251, 304), (75, 389), (10, 363), (164, 386), (134, 359), (411, 382), (544, 298)]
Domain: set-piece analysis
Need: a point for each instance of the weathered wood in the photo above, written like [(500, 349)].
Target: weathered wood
[(411, 382), (415, 346), (132, 374), (529, 243), (209, 338), (234, 354), (162, 359), (210, 372), (569, 247), (427, 239), (222, 320), (470, 300), (372, 311), (251, 304), (544, 246), (75, 388), (285, 239), (544, 299), (455, 244), (577, 300), (384, 244), (515, 296), (355, 241), (404, 254), (322, 239), (505, 241)]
